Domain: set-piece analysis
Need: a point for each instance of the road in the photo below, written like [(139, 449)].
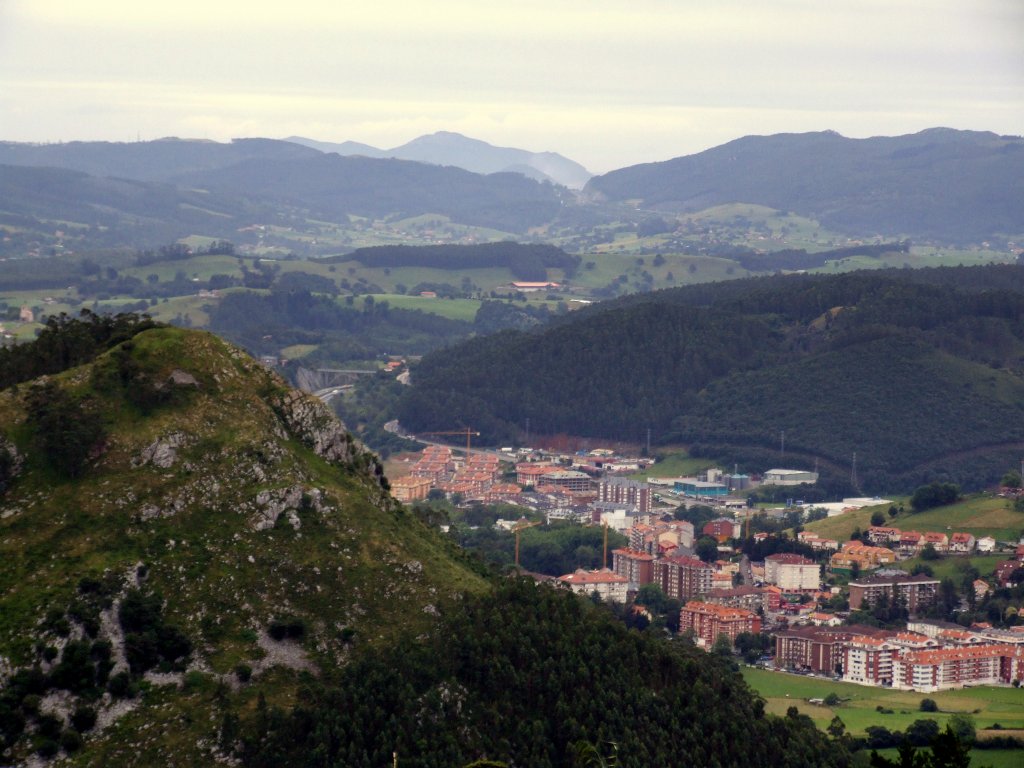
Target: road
[(396, 429)]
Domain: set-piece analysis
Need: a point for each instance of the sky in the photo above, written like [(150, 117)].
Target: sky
[(608, 83)]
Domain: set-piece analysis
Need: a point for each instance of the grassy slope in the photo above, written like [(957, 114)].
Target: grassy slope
[(979, 515), (858, 708), (351, 566)]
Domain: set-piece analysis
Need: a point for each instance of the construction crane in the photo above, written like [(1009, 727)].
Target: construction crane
[(522, 525), (467, 433)]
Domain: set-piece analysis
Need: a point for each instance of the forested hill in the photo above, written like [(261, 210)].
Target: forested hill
[(939, 183), (917, 372)]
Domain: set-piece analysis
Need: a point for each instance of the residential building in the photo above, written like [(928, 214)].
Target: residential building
[(986, 544), (636, 566), (746, 597), (961, 544), (910, 543), (707, 621), (880, 535), (916, 592), (610, 586), (626, 491), (792, 572), (722, 529), (869, 661), (410, 488), (530, 473), (939, 541), (683, 577), (566, 478), (816, 649), (942, 669)]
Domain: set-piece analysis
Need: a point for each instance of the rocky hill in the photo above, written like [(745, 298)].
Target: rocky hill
[(182, 535)]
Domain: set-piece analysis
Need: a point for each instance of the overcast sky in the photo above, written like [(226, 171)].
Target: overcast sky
[(608, 83)]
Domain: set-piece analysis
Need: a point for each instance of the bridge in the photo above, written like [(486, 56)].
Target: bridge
[(315, 380)]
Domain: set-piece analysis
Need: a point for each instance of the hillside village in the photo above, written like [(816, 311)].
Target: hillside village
[(799, 602)]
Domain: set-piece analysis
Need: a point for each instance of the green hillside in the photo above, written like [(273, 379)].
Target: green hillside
[(918, 372), (900, 185), (231, 506)]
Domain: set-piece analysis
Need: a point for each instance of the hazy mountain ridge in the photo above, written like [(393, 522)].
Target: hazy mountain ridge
[(447, 148), (939, 183)]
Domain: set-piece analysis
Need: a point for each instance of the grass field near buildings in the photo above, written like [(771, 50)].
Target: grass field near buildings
[(979, 515), (986, 704)]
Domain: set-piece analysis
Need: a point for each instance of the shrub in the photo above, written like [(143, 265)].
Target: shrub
[(71, 740), (929, 705), (83, 718), (243, 672)]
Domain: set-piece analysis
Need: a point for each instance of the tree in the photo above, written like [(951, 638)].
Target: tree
[(66, 430), (722, 646), (706, 549), (929, 705), (928, 552), (1011, 479), (837, 728), (962, 726), (877, 518)]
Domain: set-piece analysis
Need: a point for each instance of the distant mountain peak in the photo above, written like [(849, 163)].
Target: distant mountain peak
[(455, 149)]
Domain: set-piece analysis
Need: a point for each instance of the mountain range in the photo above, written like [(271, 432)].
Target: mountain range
[(957, 186), (447, 148), (939, 185)]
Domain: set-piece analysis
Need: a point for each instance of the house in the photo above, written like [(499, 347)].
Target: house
[(981, 588), (939, 541), (878, 535), (910, 543), (986, 544), (608, 585), (961, 544), (1007, 573)]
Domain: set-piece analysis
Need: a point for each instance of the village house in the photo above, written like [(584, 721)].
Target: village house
[(961, 544), (610, 586)]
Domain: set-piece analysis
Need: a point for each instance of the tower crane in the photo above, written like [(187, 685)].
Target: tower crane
[(522, 525), (467, 433)]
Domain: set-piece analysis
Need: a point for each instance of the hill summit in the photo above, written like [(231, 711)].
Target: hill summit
[(182, 533)]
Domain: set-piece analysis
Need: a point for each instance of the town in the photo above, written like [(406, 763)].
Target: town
[(801, 601)]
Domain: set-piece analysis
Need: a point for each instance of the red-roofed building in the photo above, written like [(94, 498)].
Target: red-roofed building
[(610, 586), (683, 577), (722, 529), (636, 566), (946, 668), (961, 543), (707, 621)]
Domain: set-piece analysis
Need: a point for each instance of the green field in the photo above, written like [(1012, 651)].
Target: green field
[(980, 515), (980, 758), (675, 464), (453, 309), (987, 705)]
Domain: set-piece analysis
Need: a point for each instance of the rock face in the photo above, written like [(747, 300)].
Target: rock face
[(315, 425), (10, 463), (164, 451)]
